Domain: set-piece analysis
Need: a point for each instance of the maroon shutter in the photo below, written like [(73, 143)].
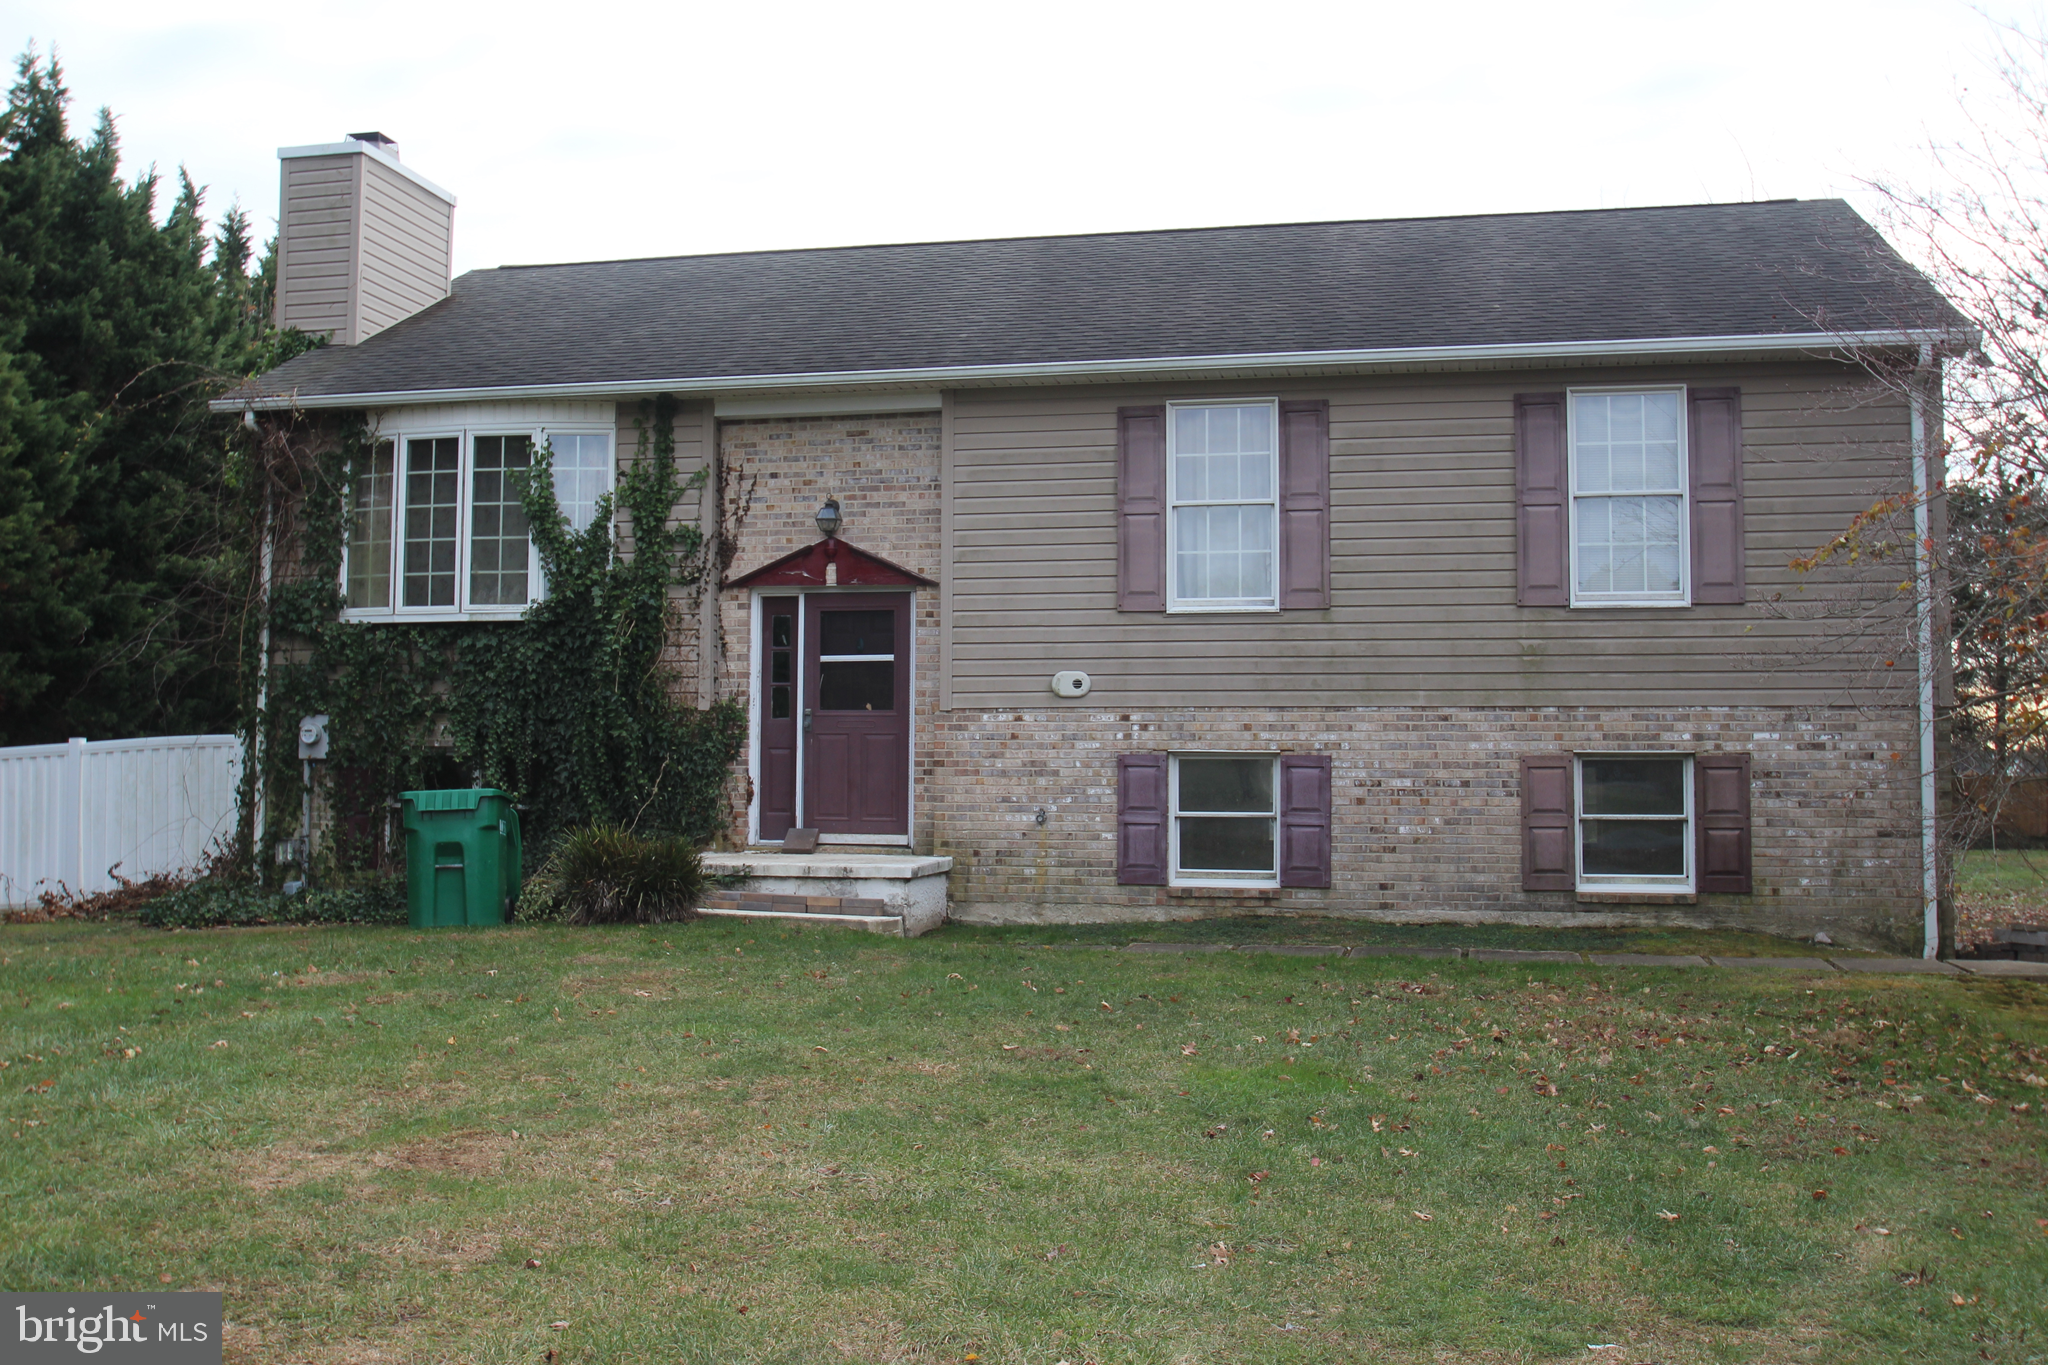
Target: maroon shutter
[(1716, 450), (1141, 509), (1548, 863), (1141, 820), (1305, 506), (1304, 820), (1721, 797), (1543, 500)]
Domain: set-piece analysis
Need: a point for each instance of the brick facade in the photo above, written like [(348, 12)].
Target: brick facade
[(1427, 813)]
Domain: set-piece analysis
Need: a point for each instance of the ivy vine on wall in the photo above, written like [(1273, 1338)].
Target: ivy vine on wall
[(572, 708)]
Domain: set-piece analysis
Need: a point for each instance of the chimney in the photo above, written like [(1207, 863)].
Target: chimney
[(362, 241)]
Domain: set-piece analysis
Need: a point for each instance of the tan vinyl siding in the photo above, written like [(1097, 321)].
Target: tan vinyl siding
[(406, 237), (1422, 557), (316, 243), (360, 246)]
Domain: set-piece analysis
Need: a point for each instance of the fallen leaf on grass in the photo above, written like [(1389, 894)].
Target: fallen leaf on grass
[(560, 1324), (1820, 1194), (1422, 1217), (1187, 1049), (1667, 1215)]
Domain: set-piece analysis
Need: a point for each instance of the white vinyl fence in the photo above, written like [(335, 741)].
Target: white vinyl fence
[(75, 813)]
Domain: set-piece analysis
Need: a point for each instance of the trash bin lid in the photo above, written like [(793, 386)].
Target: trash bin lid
[(467, 798)]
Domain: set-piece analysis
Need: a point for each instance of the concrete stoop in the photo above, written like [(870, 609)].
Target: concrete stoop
[(884, 893)]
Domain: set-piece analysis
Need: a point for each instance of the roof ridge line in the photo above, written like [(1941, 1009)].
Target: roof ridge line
[(1147, 232)]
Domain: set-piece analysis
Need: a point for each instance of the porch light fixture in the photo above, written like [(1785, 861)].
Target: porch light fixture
[(829, 518)]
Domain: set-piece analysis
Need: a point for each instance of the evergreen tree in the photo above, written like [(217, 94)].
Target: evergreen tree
[(117, 487)]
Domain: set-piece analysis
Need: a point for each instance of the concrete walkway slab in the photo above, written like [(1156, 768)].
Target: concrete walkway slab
[(1401, 950), (1177, 948), (1996, 968), (1897, 965), (1777, 964), (1521, 955), (1647, 959), (1294, 949)]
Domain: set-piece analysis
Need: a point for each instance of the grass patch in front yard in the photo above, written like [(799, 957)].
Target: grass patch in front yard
[(734, 1143), (1987, 871)]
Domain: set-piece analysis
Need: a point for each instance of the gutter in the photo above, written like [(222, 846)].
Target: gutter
[(1924, 621), (1153, 367)]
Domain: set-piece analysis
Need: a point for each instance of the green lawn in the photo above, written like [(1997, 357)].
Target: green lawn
[(730, 1143), (2003, 871)]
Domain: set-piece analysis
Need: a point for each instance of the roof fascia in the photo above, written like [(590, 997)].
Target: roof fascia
[(350, 147), (1160, 367)]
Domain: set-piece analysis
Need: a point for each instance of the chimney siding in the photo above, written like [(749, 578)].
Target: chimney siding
[(362, 243)]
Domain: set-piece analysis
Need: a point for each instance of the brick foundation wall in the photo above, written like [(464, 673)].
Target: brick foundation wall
[(1427, 813)]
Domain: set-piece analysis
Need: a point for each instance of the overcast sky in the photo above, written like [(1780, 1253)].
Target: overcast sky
[(603, 129)]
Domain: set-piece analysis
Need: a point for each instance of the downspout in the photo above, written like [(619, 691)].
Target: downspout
[(256, 747), (1924, 621)]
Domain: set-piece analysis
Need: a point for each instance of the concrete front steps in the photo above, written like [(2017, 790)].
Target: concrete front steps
[(884, 893)]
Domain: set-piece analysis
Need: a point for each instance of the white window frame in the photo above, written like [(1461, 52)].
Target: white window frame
[(1683, 597), (1175, 603), (1653, 885), (1175, 876), (466, 438)]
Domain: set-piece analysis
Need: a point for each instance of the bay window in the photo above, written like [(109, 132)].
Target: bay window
[(437, 530)]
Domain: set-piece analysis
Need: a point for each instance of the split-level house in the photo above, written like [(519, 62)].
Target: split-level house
[(1408, 569)]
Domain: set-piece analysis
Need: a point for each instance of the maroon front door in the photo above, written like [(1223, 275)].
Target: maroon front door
[(856, 713), (778, 708)]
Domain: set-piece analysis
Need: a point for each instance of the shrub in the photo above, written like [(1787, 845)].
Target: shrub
[(602, 874), (224, 900)]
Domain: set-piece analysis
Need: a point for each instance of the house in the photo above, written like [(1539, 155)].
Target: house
[(1404, 569)]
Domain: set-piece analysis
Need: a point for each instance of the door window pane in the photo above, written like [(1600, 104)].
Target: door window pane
[(868, 685), (857, 632), (497, 541), (369, 534), (432, 492)]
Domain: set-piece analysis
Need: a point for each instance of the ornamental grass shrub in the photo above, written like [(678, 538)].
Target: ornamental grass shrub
[(603, 874)]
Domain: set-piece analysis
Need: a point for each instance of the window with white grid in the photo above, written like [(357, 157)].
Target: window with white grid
[(583, 473), (1222, 482), (1628, 470)]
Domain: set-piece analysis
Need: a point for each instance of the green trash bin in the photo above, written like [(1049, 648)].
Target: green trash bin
[(461, 856)]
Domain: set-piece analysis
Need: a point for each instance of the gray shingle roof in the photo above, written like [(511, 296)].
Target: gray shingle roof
[(1785, 267)]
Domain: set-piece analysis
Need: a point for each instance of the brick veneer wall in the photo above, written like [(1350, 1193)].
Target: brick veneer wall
[(1427, 813), (885, 472)]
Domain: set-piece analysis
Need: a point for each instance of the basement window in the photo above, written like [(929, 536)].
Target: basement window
[(1223, 820)]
